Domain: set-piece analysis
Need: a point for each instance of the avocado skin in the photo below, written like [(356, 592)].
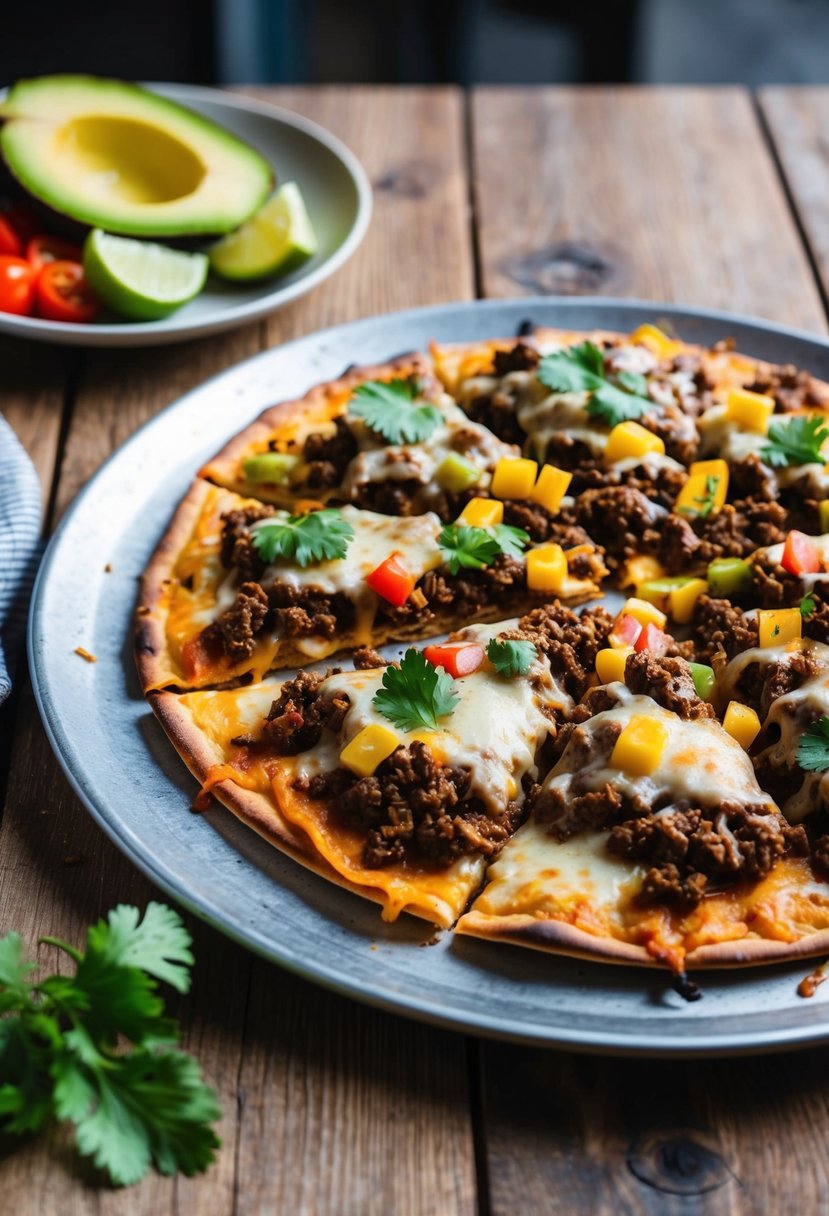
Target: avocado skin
[(55, 219)]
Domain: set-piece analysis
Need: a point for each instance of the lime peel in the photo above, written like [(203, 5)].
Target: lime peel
[(276, 240), (140, 279)]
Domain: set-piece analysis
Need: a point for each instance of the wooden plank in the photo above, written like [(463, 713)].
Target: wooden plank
[(644, 194), (666, 193), (379, 1107), (797, 121)]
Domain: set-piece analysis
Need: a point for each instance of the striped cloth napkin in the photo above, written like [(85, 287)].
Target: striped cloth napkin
[(20, 547)]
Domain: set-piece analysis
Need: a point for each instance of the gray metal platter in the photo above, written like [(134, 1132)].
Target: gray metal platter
[(128, 776)]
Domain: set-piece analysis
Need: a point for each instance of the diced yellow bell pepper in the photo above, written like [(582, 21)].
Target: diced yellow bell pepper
[(610, 664), (369, 747), (742, 723), (643, 612), (546, 568), (701, 495), (482, 513), (681, 600), (779, 625), (638, 570), (749, 410), (551, 487), (514, 478), (639, 747), (629, 439), (433, 740), (824, 515), (655, 340)]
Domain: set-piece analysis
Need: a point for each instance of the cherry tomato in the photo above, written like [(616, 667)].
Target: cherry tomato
[(652, 639), (10, 243), (800, 555), (392, 581), (17, 286), (459, 660), (626, 630), (63, 294), (41, 250)]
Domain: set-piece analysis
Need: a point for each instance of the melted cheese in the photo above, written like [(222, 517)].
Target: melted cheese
[(721, 436), (494, 731), (789, 715), (699, 763)]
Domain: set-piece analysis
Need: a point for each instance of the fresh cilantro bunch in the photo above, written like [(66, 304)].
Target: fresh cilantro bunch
[(813, 746), (795, 440), (388, 409), (415, 694), (511, 657), (316, 537), (581, 369), (474, 548), (95, 1049)]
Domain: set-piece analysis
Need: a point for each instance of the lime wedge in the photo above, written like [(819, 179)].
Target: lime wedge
[(274, 241), (139, 279)]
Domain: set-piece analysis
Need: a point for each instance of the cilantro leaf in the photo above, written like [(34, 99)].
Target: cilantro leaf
[(581, 369), (511, 657), (62, 1051), (807, 606), (415, 694), (795, 440), (316, 537), (813, 747), (474, 548), (388, 409)]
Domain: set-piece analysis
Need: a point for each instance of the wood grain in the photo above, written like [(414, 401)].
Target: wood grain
[(665, 193), (644, 193), (798, 124), (37, 380), (329, 1107)]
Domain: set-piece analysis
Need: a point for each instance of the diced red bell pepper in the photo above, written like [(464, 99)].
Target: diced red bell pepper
[(626, 629), (800, 554), (652, 639), (460, 659), (392, 581)]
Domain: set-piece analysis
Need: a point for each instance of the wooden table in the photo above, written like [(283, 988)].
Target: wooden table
[(701, 196)]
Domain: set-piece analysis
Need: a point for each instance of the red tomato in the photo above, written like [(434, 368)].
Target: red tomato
[(41, 250), (626, 630), (17, 286), (800, 555), (392, 581), (10, 243), (652, 639), (459, 660), (63, 294)]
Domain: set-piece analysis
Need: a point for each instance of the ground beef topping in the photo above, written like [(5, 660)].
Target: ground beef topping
[(415, 809), (627, 522), (669, 682), (520, 358), (721, 630), (237, 549), (791, 388), (297, 717), (569, 640), (329, 455), (237, 627), (735, 531)]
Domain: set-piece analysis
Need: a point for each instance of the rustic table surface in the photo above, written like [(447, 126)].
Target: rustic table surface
[(701, 196)]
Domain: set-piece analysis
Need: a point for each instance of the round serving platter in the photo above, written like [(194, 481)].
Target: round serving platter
[(133, 783)]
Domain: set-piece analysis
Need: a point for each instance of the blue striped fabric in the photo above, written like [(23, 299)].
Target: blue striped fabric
[(20, 547)]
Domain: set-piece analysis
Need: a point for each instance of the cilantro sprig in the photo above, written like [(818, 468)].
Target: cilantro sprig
[(807, 606), (581, 369), (813, 747), (474, 548), (795, 440), (63, 1053), (316, 537), (387, 408), (415, 694), (511, 657)]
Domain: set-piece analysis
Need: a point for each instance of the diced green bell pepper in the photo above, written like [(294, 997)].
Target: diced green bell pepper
[(729, 576), (456, 474), (704, 680), (272, 467)]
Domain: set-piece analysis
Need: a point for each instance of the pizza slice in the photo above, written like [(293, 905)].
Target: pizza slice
[(651, 841), (238, 588), (397, 781)]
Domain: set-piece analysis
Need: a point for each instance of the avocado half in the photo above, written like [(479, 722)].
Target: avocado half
[(111, 155)]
